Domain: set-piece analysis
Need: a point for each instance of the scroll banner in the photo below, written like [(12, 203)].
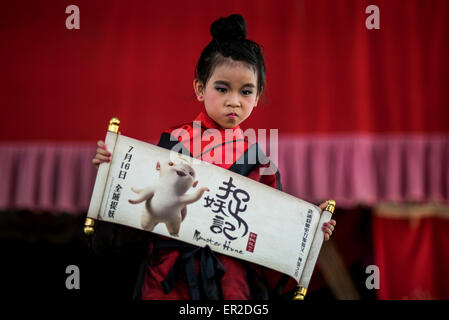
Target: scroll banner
[(170, 194)]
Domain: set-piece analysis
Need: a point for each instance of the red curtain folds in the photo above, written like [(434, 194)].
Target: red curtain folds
[(411, 252), (59, 176)]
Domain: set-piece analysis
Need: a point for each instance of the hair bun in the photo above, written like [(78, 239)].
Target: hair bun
[(231, 28)]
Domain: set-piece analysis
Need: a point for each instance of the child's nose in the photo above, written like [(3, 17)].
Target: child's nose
[(233, 101)]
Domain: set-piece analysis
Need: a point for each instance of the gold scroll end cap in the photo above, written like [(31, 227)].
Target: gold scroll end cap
[(114, 124), (89, 226), (300, 294), (88, 231), (330, 206)]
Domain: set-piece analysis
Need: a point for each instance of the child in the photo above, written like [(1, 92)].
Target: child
[(229, 80)]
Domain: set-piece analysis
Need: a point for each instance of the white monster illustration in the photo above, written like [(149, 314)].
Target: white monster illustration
[(166, 199)]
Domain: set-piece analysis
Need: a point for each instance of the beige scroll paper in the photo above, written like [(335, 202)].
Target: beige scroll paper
[(161, 191)]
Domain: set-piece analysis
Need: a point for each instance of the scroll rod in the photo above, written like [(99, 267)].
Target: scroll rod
[(89, 223), (300, 294)]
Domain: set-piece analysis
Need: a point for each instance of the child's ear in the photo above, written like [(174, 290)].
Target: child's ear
[(199, 88), (195, 184), (257, 101)]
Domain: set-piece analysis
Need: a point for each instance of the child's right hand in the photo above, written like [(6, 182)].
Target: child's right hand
[(102, 155)]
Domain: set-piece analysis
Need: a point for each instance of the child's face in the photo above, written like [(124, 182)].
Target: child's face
[(230, 94)]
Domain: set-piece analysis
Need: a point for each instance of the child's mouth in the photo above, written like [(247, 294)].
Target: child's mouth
[(232, 115)]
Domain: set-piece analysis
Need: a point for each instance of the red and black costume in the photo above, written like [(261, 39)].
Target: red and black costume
[(173, 269)]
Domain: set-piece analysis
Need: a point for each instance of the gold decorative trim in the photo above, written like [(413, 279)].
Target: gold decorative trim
[(300, 294), (114, 124)]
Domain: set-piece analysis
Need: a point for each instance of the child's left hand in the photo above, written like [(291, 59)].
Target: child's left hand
[(327, 227)]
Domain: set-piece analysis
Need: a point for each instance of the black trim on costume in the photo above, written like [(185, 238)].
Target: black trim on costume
[(137, 295), (272, 166), (207, 285), (278, 179), (169, 142), (243, 167)]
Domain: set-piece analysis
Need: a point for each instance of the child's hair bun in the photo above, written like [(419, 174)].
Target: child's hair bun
[(231, 28)]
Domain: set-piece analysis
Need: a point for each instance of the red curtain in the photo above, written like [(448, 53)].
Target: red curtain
[(326, 72), (382, 95), (412, 255)]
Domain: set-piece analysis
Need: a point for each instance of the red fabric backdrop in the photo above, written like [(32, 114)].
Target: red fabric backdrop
[(326, 73), (328, 78), (412, 257)]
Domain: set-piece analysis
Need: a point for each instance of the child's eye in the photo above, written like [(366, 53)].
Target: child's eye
[(247, 92), (220, 89)]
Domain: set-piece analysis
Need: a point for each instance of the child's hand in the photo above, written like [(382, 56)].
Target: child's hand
[(102, 154), (328, 227)]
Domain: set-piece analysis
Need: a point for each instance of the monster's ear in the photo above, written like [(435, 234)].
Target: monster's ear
[(158, 166), (195, 183)]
